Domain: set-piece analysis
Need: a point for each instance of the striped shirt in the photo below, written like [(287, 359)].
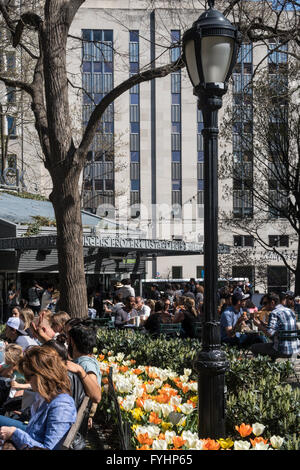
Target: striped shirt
[(283, 319)]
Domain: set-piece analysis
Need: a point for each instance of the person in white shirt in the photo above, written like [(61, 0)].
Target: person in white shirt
[(15, 332), (141, 308), (126, 290), (47, 297)]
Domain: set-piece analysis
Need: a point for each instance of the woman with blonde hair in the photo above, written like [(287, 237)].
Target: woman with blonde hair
[(151, 304), (54, 411), (187, 316), (27, 315)]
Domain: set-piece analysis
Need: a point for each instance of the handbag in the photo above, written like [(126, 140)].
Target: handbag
[(78, 442)]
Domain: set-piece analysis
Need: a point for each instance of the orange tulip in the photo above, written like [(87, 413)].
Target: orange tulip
[(154, 418), (139, 402), (101, 357), (123, 369), (210, 444), (257, 440), (146, 447), (137, 371), (145, 439), (178, 442), (244, 429), (162, 436)]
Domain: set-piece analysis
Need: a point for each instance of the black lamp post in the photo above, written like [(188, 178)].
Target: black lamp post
[(210, 51)]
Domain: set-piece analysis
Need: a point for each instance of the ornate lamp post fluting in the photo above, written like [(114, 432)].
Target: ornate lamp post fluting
[(210, 51)]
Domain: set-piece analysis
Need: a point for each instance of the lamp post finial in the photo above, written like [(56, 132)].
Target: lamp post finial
[(211, 3)]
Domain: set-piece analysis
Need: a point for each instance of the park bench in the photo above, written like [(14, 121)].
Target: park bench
[(170, 329), (104, 322), (291, 335), (82, 417)]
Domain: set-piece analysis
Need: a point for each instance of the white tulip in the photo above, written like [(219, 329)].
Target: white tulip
[(261, 446), (193, 387), (128, 403), (148, 405), (191, 439), (159, 444), (186, 408), (197, 446), (176, 401), (276, 442), (150, 388), (258, 429), (242, 445), (169, 436), (153, 431), (166, 409), (157, 383), (187, 372), (120, 357)]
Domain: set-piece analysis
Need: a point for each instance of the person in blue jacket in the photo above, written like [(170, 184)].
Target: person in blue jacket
[(55, 410)]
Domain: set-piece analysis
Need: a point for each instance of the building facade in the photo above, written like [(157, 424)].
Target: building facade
[(145, 166)]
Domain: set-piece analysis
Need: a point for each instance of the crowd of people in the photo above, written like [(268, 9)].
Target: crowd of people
[(247, 320), (51, 355)]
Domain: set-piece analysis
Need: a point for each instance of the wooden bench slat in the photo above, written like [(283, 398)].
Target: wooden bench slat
[(75, 426)]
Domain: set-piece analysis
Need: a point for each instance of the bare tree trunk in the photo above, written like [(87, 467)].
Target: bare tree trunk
[(65, 198)]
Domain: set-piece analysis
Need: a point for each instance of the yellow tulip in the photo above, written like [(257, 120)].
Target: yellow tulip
[(225, 443), (137, 413), (166, 425)]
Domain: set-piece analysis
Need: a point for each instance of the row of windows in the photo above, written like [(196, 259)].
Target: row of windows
[(97, 80), (176, 196), (273, 240), (134, 119)]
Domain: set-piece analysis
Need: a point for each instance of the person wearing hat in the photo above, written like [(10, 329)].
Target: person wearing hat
[(15, 332), (126, 289), (232, 320)]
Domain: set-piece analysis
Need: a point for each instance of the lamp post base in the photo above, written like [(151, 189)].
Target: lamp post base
[(211, 366)]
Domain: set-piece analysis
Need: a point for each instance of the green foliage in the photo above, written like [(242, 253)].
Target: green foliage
[(177, 354), (39, 221), (255, 390), (26, 195)]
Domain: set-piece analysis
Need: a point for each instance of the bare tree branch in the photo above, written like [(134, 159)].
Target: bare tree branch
[(145, 76)]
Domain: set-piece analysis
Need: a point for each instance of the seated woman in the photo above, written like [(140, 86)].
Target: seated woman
[(55, 413), (152, 324), (187, 316)]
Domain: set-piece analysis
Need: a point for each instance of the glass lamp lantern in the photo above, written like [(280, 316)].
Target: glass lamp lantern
[(210, 49)]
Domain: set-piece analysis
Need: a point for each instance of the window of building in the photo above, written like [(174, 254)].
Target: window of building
[(279, 240), (278, 279), (11, 126), (244, 272), (243, 240), (97, 80), (176, 183), (176, 272), (242, 137)]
